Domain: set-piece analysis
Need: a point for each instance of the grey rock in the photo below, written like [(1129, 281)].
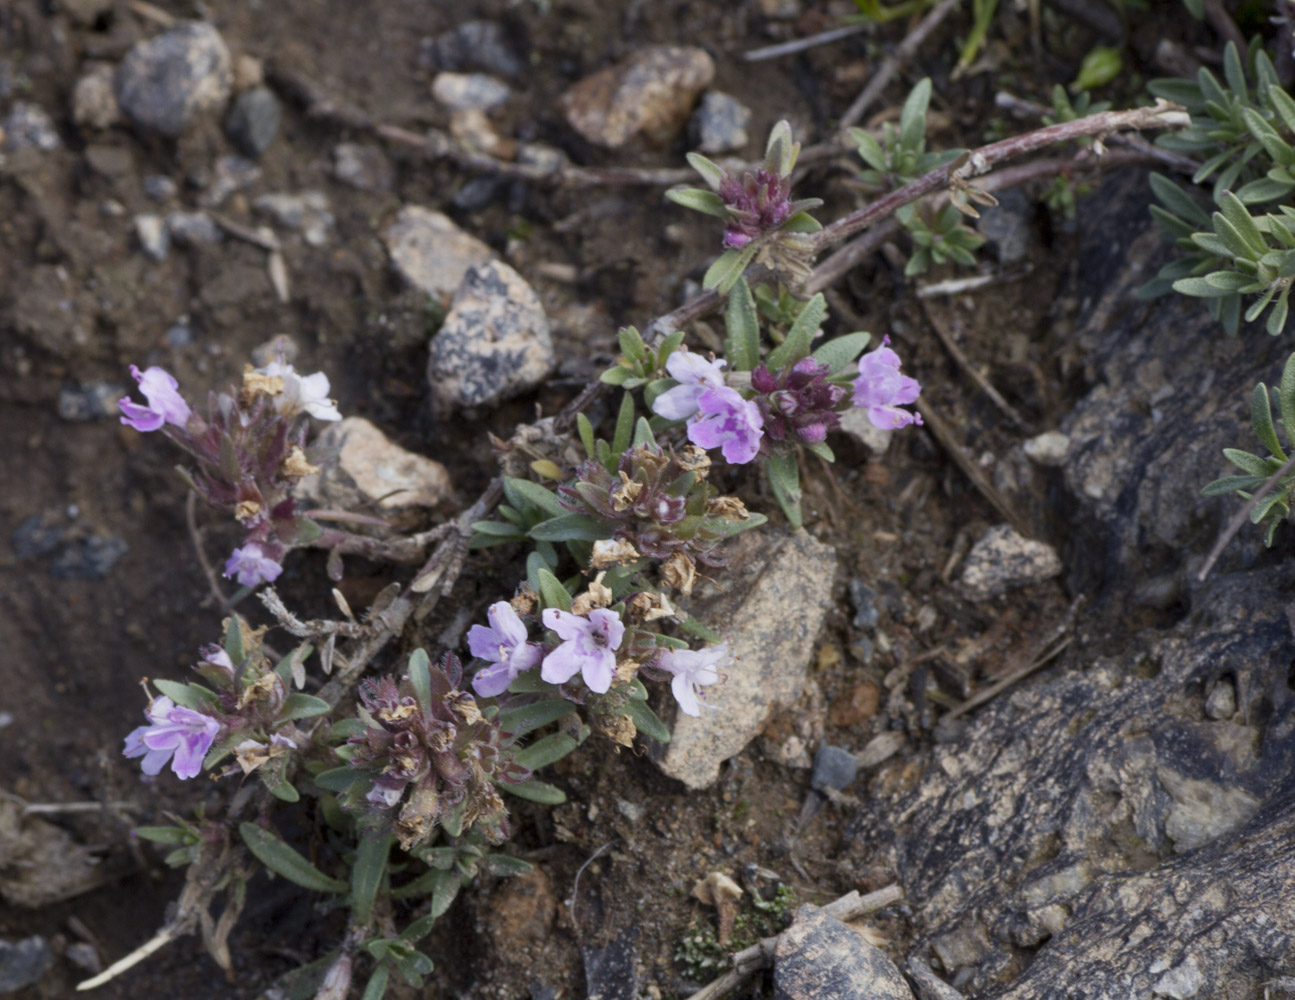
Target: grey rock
[(834, 767), (611, 972), (365, 168), (473, 45), (1004, 559), (1047, 449), (866, 611), (430, 252), (38, 535), (179, 335), (479, 192), (536, 154), (42, 863), (94, 98), (159, 187), (169, 81), (819, 957), (154, 239), (89, 401), (1222, 700), (855, 423), (494, 344), (1009, 226), (1180, 982), (89, 558), (369, 470), (862, 650), (230, 173), (253, 121), (719, 123), (780, 10), (85, 956), (474, 130), (649, 93), (27, 126), (470, 91), (778, 590), (307, 213), (23, 962), (193, 229)]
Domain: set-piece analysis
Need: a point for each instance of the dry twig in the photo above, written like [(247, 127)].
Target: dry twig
[(955, 352)]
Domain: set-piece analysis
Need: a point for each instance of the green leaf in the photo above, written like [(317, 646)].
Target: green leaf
[(537, 791), (784, 477), (780, 151), (1286, 399), (1199, 288), (643, 434), (616, 375), (527, 718), (711, 172), (569, 527), (1230, 484), (796, 344), (193, 696), (841, 352), (234, 638), (1229, 281), (303, 706), (552, 592), (553, 747), (728, 268), (446, 888), (742, 325), (1277, 318), (624, 426), (645, 720), (376, 987), (912, 119), (281, 859), (1241, 221), (1284, 105), (631, 343), (801, 222), (366, 875), (504, 866), (1233, 71), (1264, 506), (498, 529), (1101, 65), (701, 630), (821, 449), (338, 779), (280, 787), (698, 200), (1261, 418), (535, 494), (164, 834), (586, 430), (870, 150), (1247, 462), (1174, 198)]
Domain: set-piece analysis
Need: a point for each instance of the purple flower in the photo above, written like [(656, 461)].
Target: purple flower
[(799, 403), (692, 669), (726, 420), (252, 566), (757, 204), (695, 375), (589, 648), (881, 390), (504, 643), (165, 404), (173, 730)]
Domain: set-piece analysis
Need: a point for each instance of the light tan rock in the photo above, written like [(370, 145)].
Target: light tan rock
[(430, 252), (371, 469)]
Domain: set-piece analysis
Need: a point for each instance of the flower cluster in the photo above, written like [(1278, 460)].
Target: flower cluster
[(799, 403), (433, 755), (757, 204), (250, 452), (718, 416)]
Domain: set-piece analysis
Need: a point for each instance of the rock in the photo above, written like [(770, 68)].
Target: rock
[(27, 126), (167, 82), (192, 229), (856, 706), (85, 12), (1180, 982), (363, 167), (231, 173), (85, 956), (179, 335), (89, 558), (1009, 227), (307, 213), (719, 123), (89, 401), (23, 962), (478, 192), (370, 469), (866, 612), (249, 72), (473, 45), (40, 863), (474, 130), (855, 423), (834, 767), (464, 91), (494, 343), (1222, 700), (1047, 449), (648, 93), (521, 912), (779, 10), (36, 536), (154, 239), (546, 158), (1004, 559), (253, 121), (819, 957), (430, 252), (159, 187), (94, 98), (778, 593), (611, 972)]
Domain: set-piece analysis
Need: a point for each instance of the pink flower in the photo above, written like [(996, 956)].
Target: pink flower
[(881, 390), (692, 669), (695, 375), (589, 648), (726, 420), (252, 566), (504, 644), (165, 404), (173, 730)]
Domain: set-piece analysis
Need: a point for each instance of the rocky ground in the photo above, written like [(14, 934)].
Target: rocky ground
[(193, 185)]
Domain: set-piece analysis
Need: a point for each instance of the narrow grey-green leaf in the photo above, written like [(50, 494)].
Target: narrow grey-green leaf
[(553, 747), (537, 791), (742, 326), (698, 200), (1247, 462), (803, 328), (536, 495), (281, 859), (711, 172), (841, 352), (527, 718), (645, 720), (193, 696), (303, 706), (366, 875)]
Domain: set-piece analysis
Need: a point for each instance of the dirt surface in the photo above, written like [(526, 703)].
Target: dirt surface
[(79, 302)]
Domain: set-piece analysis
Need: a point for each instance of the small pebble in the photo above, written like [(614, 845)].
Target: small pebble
[(1047, 449), (253, 121), (89, 558), (153, 236), (834, 767), (364, 167), (478, 192), (231, 173), (94, 98), (464, 91), (36, 537), (473, 45), (1222, 701), (719, 123), (23, 962), (89, 401), (159, 187), (179, 335), (307, 213), (1003, 559), (189, 229), (29, 127), (166, 82), (864, 599)]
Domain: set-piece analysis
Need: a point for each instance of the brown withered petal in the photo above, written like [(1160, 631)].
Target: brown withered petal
[(679, 572), (613, 552), (694, 459), (260, 691), (255, 384), (395, 713), (465, 707), (246, 510), (296, 465), (597, 596), (730, 508), (625, 494), (524, 602), (620, 729), (417, 816)]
